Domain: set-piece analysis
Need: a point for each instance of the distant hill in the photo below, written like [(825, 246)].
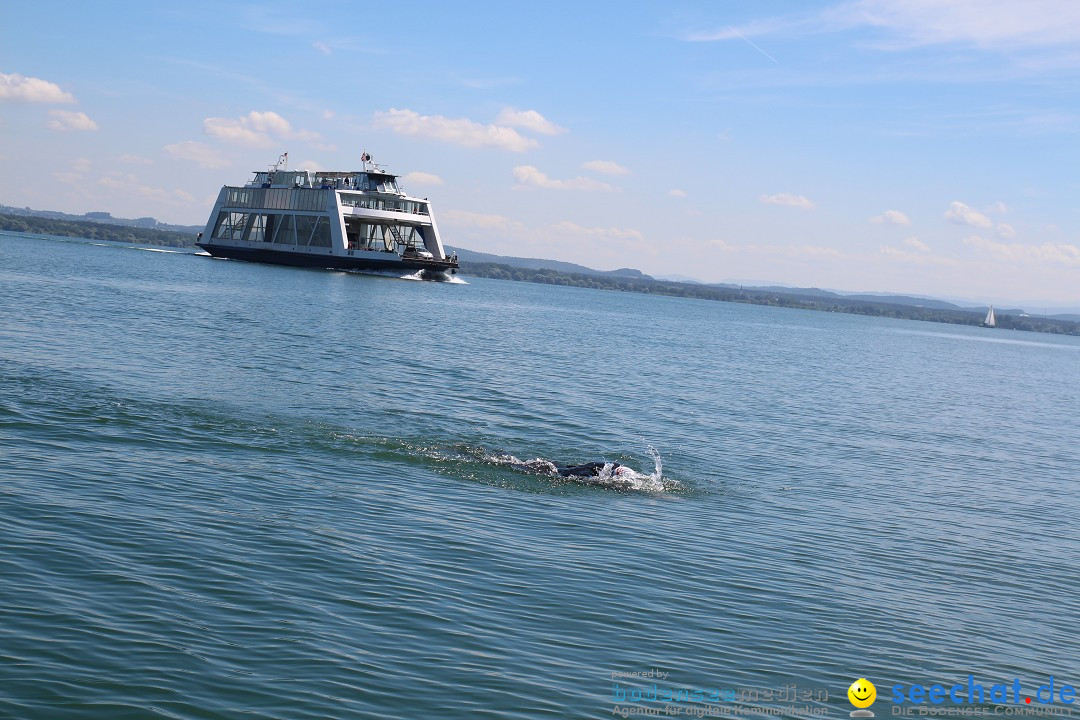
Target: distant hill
[(680, 278), (887, 298), (537, 264), (101, 217), (905, 300), (785, 290)]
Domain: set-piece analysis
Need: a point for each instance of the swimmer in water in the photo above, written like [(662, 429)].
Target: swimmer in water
[(591, 469)]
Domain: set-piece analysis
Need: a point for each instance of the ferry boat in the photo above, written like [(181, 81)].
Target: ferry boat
[(357, 220)]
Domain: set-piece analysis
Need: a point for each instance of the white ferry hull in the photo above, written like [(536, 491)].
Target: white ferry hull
[(430, 268)]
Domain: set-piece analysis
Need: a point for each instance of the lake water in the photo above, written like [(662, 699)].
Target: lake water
[(234, 490)]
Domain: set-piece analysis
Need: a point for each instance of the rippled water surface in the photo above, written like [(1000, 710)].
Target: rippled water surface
[(233, 490)]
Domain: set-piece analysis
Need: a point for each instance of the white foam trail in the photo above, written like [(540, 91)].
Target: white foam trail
[(171, 252), (439, 277), (418, 275)]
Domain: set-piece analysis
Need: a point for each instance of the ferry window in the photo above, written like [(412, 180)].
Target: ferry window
[(258, 228), (222, 228), (286, 234), (240, 198), (304, 225), (238, 223), (254, 227), (321, 236)]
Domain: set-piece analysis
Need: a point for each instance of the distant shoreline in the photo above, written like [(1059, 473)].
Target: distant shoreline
[(147, 236), (776, 298), (92, 230)]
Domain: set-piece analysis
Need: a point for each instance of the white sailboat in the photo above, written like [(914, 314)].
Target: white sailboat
[(990, 321)]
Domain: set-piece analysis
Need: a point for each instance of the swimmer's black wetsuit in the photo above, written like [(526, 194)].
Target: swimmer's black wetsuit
[(587, 470)]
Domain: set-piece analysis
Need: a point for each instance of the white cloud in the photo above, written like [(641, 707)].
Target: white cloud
[(529, 120), (255, 128), (1005, 231), (322, 47), (30, 89), (788, 250), (458, 131), (607, 167), (567, 227), (464, 218), (197, 152), (75, 172), (131, 186), (422, 178), (961, 214), (916, 243), (775, 250), (135, 160), (527, 175), (676, 192), (787, 199), (891, 217), (234, 131), (69, 178), (988, 24), (997, 207), (67, 120), (920, 258), (1046, 253)]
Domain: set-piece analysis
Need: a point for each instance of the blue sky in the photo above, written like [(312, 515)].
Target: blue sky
[(907, 145)]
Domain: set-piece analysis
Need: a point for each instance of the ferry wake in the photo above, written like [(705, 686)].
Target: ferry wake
[(355, 220)]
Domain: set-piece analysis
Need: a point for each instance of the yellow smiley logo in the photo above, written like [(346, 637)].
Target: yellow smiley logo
[(862, 693)]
